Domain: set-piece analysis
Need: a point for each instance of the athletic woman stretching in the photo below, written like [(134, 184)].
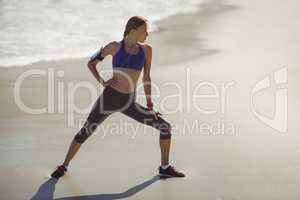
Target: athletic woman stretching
[(129, 58)]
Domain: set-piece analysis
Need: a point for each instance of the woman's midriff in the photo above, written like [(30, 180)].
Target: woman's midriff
[(126, 79)]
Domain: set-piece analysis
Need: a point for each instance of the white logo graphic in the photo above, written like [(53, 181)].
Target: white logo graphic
[(279, 119)]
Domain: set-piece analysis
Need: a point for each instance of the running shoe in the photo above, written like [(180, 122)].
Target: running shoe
[(169, 172), (59, 172)]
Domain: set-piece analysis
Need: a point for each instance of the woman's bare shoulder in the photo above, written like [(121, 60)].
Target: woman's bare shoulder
[(113, 47), (146, 47)]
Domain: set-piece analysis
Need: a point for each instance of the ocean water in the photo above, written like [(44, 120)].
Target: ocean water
[(36, 30)]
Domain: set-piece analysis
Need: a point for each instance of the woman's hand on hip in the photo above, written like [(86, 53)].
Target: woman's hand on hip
[(150, 108)]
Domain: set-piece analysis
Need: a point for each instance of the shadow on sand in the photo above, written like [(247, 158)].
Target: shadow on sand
[(47, 189)]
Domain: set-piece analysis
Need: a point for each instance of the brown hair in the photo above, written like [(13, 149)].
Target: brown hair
[(134, 23)]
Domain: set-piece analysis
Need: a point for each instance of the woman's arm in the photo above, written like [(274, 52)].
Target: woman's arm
[(146, 76), (95, 59)]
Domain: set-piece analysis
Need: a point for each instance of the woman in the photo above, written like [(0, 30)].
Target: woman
[(129, 58)]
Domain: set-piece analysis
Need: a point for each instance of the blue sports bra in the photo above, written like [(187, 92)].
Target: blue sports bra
[(131, 61)]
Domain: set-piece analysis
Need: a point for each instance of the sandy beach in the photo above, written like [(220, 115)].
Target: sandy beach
[(225, 77)]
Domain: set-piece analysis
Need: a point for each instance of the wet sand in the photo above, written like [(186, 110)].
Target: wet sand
[(212, 60)]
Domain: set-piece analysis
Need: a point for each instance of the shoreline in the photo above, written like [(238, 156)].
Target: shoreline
[(173, 36), (180, 26)]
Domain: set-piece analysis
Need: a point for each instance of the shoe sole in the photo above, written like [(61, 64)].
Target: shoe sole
[(57, 177), (165, 175), (169, 176)]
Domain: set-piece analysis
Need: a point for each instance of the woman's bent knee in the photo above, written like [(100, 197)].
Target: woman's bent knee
[(165, 131), (165, 136)]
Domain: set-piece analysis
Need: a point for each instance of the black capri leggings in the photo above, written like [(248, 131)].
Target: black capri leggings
[(111, 101)]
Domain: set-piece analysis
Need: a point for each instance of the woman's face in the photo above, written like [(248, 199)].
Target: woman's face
[(142, 33)]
